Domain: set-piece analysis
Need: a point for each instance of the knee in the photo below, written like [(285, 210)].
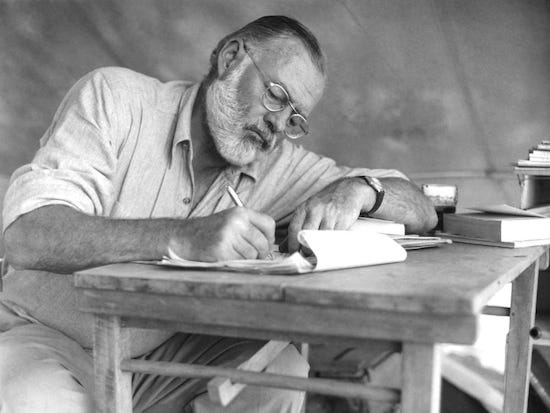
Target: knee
[(46, 388)]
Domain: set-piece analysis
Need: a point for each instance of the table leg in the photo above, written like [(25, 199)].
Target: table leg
[(113, 388), (421, 378), (519, 343)]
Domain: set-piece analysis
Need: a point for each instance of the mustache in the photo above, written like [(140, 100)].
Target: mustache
[(267, 138)]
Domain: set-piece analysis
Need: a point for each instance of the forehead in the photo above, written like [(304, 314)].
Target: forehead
[(286, 61)]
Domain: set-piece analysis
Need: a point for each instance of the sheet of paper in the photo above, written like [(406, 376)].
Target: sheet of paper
[(280, 264)]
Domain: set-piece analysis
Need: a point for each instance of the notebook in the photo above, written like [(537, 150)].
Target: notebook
[(330, 250)]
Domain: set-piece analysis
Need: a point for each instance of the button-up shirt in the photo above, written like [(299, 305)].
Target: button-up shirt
[(120, 146)]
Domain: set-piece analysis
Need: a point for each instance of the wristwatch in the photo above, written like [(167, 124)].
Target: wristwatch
[(376, 185)]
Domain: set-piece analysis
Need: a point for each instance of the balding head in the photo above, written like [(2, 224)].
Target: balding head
[(261, 32)]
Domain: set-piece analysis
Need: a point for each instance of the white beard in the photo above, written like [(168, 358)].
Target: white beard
[(226, 120)]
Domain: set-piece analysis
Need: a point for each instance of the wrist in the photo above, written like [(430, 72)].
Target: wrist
[(377, 189), (175, 237)]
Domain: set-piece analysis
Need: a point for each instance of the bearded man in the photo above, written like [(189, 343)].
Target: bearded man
[(131, 167)]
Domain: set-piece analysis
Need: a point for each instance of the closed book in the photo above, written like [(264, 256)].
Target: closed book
[(538, 158), (493, 227), (533, 164)]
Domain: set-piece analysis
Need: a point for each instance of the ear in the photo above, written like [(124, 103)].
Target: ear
[(231, 54)]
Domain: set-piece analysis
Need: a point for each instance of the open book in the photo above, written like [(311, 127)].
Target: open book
[(331, 250)]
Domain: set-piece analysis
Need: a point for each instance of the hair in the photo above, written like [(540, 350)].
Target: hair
[(270, 27)]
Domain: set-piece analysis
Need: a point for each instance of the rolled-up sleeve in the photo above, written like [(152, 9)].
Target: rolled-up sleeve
[(77, 157)]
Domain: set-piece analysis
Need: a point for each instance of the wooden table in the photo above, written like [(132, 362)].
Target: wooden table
[(435, 296)]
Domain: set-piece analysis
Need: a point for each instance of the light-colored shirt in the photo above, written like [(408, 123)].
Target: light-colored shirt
[(120, 146)]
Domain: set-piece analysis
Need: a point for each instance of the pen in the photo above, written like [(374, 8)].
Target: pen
[(234, 196), (237, 201)]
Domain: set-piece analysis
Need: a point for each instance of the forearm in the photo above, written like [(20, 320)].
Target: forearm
[(405, 203), (61, 239)]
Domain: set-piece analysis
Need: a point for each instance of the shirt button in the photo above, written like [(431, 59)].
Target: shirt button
[(186, 201)]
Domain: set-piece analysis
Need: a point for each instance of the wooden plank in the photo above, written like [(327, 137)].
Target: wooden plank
[(322, 321), (323, 386), (222, 390), (519, 342), (113, 387), (421, 381), (425, 282), (496, 310), (243, 332), (164, 280)]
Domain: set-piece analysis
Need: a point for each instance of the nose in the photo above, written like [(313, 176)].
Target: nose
[(276, 121)]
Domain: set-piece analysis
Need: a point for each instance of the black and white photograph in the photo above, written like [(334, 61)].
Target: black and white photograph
[(253, 206)]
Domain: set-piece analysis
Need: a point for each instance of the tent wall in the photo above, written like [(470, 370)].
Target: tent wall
[(448, 91)]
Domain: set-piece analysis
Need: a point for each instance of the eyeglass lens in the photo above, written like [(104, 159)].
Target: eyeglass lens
[(276, 99)]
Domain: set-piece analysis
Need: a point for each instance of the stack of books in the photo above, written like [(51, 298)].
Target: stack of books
[(498, 225), (539, 156)]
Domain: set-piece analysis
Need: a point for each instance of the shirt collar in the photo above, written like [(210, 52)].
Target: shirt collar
[(182, 133)]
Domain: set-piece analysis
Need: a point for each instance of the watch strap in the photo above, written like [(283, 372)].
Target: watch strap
[(376, 185)]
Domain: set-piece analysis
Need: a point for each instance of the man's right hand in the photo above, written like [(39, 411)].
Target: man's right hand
[(236, 233)]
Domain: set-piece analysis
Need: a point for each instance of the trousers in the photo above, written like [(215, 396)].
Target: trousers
[(44, 371)]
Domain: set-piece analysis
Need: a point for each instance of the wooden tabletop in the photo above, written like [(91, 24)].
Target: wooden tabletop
[(456, 278), (435, 296), (451, 279)]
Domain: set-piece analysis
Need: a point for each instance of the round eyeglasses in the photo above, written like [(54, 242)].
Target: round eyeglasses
[(276, 99)]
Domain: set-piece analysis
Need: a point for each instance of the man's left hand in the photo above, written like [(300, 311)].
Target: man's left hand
[(337, 206)]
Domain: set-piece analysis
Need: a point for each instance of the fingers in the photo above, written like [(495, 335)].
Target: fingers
[(253, 233), (345, 220), (264, 223), (255, 245), (319, 216), (244, 250)]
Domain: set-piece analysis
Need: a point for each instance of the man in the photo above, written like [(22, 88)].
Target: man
[(132, 167)]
